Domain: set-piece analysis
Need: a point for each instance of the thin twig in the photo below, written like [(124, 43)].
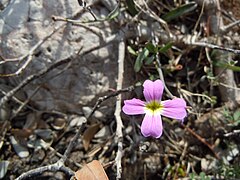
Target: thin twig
[(188, 93), (87, 8), (218, 112), (231, 87), (96, 106), (60, 156), (180, 160), (93, 29), (23, 104), (30, 78), (159, 69), (53, 167), (211, 147), (29, 55), (152, 14), (119, 134), (115, 93), (199, 17), (229, 26), (73, 142), (82, 128), (213, 46), (59, 165), (235, 132)]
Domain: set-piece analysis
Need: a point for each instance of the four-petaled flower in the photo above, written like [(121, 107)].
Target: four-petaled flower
[(153, 108)]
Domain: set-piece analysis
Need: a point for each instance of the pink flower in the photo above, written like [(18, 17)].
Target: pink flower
[(153, 108)]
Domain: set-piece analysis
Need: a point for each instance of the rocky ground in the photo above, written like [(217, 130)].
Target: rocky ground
[(67, 66)]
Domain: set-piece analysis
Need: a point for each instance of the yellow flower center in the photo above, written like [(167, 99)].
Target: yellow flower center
[(154, 107)]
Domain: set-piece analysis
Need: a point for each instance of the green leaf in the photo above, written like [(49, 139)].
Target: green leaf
[(202, 175), (192, 176), (236, 116), (151, 48), (181, 171), (165, 48), (179, 11), (141, 57), (149, 60), (226, 65), (131, 7), (232, 67), (114, 13), (131, 50)]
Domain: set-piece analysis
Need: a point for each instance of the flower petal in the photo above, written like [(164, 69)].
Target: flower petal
[(133, 107), (153, 90), (175, 108), (152, 126)]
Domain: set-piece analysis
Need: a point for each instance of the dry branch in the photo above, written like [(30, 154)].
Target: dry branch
[(226, 76), (60, 164), (119, 134), (53, 168), (30, 78)]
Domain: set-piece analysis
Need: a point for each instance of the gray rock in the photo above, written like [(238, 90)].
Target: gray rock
[(3, 168), (21, 151), (232, 154), (208, 164), (25, 23), (104, 132), (98, 114), (14, 15), (77, 121), (86, 111)]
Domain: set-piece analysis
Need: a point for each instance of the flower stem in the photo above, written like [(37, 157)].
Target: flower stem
[(159, 69)]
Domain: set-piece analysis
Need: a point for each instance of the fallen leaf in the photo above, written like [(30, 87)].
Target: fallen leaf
[(104, 132), (91, 171), (89, 134), (21, 133)]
